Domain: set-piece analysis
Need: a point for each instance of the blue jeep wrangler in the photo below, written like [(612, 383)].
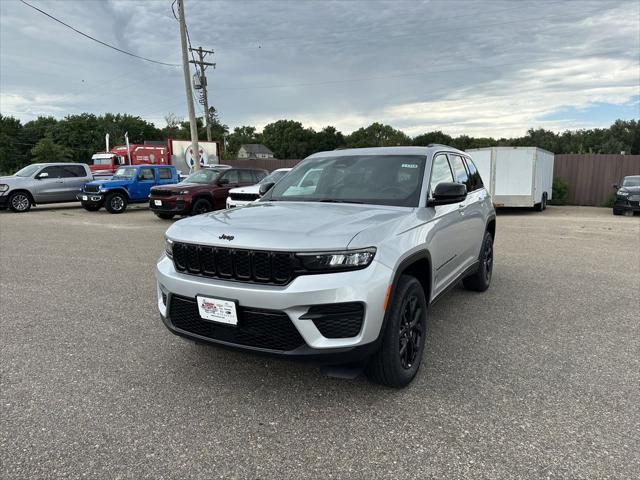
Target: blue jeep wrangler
[(130, 184)]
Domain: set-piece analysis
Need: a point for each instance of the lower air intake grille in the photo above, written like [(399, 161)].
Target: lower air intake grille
[(338, 320), (269, 329)]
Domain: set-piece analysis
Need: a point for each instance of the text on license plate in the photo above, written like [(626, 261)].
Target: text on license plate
[(157, 203), (85, 198), (217, 310)]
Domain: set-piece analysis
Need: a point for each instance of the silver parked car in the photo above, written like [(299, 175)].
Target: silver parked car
[(343, 272), (43, 183)]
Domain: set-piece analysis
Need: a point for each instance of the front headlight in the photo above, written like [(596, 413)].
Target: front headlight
[(168, 247), (334, 261), (102, 189), (623, 193), (4, 187), (183, 192)]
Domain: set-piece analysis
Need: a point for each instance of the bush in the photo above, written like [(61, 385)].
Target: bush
[(610, 201), (560, 192)]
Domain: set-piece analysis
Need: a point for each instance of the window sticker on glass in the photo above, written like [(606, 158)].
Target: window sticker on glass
[(409, 165)]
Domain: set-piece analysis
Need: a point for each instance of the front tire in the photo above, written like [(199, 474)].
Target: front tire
[(116, 202), (398, 359), (20, 202), (201, 206), (480, 281)]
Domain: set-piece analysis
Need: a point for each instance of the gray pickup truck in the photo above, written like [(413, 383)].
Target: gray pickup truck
[(43, 183)]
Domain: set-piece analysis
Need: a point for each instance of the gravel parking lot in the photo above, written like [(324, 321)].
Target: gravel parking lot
[(539, 377)]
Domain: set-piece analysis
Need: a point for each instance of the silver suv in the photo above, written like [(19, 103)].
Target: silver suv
[(342, 272), (43, 183)]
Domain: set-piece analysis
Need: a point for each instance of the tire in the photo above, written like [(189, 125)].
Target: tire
[(92, 208), (202, 205), (617, 212), (481, 279), (20, 202), (116, 202), (398, 359), (165, 216)]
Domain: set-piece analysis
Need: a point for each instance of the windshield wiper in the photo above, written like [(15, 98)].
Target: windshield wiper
[(334, 200)]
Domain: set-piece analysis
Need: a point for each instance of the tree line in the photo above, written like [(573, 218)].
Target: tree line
[(76, 137)]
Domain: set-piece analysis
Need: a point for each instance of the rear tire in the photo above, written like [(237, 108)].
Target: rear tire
[(398, 359), (480, 281), (92, 208), (165, 216), (20, 202), (201, 206), (116, 202)]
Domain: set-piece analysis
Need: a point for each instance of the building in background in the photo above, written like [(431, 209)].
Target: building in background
[(253, 151)]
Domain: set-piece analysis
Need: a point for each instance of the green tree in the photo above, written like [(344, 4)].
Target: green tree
[(240, 136), (326, 139), (12, 155), (377, 135), (432, 137), (46, 150), (287, 139)]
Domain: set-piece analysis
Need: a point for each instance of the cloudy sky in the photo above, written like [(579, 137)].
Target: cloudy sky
[(474, 67)]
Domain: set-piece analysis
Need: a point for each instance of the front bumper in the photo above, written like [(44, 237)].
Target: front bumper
[(368, 286), (238, 203), (630, 203), (177, 205), (90, 198)]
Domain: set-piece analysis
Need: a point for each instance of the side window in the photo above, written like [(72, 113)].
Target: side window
[(246, 176), (71, 171), (54, 172), (475, 181), (165, 173), (146, 174), (459, 171), (232, 176), (440, 172), (259, 175)]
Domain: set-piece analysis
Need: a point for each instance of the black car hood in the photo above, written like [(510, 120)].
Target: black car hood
[(633, 190)]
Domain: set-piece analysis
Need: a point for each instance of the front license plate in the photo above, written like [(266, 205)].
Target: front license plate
[(85, 198), (217, 310), (157, 203)]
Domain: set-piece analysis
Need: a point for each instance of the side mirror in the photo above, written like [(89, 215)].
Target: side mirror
[(43, 175), (446, 193), (616, 186), (265, 187), (223, 181)]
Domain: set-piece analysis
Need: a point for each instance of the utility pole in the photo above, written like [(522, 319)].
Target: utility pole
[(187, 86), (203, 83)]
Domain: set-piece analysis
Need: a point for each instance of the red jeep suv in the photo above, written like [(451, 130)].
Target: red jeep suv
[(201, 192)]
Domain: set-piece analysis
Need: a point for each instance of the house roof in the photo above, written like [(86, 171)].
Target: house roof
[(255, 148)]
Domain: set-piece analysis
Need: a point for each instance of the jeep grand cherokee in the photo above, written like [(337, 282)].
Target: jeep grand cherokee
[(343, 272)]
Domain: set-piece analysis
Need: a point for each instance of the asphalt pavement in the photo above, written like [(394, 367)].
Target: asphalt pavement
[(537, 378)]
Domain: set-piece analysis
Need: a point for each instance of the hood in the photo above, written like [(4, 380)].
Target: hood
[(290, 226), (634, 190), (109, 183), (250, 189), (12, 180), (176, 187)]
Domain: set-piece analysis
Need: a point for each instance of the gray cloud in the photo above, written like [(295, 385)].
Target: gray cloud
[(481, 68)]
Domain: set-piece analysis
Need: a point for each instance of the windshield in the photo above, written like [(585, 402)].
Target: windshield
[(631, 182), (208, 175), (274, 177), (125, 173), (27, 171), (102, 161), (373, 179)]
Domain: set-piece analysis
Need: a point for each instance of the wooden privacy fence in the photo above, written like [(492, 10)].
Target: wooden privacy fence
[(591, 176)]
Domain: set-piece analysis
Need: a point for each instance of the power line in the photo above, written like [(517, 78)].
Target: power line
[(99, 41)]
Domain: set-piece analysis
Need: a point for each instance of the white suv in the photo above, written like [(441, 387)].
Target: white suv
[(244, 195), (341, 273)]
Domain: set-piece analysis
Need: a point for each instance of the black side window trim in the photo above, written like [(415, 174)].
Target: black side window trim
[(436, 155), (466, 159)]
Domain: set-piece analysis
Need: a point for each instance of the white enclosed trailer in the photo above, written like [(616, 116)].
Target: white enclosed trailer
[(516, 176)]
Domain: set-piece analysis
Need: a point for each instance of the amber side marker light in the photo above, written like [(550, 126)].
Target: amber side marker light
[(386, 298)]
